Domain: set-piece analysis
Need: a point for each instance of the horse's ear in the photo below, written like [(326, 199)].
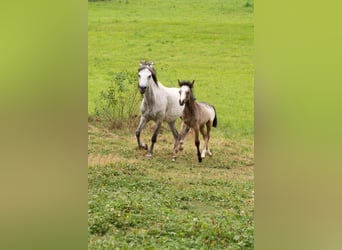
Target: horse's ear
[(179, 83), (192, 83), (150, 65)]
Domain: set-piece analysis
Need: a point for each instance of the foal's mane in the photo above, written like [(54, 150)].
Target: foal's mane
[(150, 67)]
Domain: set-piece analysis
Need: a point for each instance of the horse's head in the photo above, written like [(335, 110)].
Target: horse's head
[(147, 75), (185, 91)]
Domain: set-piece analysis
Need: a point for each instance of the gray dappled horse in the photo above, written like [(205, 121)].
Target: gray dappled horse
[(195, 115), (159, 104)]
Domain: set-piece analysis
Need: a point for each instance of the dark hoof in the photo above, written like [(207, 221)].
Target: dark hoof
[(200, 159)]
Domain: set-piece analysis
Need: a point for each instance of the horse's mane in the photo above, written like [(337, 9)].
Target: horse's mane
[(150, 67)]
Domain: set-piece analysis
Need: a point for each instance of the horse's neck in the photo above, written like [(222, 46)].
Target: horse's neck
[(190, 107), (150, 94)]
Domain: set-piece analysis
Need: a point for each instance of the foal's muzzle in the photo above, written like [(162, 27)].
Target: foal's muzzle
[(181, 102), (142, 89)]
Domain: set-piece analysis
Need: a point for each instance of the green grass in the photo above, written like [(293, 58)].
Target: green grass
[(130, 208), (209, 41), (140, 203)]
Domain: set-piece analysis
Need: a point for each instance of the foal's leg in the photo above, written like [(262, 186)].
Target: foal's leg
[(197, 143), (141, 125), (205, 141), (154, 137), (182, 136), (179, 140), (209, 124)]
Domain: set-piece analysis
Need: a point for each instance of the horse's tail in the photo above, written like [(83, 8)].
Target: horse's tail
[(215, 118)]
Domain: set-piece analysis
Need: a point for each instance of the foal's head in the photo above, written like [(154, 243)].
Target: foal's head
[(147, 74), (185, 91)]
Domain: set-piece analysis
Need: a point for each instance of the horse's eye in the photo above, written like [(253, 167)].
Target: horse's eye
[(139, 76), (180, 92), (149, 77)]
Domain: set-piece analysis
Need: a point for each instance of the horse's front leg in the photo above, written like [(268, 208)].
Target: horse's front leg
[(141, 125), (182, 137), (197, 143), (154, 137), (179, 141)]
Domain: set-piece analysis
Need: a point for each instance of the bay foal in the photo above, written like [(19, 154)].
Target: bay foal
[(195, 115)]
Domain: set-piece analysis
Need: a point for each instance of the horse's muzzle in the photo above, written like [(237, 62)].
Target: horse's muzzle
[(181, 102), (142, 90)]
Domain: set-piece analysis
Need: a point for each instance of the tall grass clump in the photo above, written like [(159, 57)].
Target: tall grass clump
[(118, 105)]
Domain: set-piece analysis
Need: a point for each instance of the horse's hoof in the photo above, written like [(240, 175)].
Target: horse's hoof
[(200, 159), (203, 156), (181, 147), (173, 159), (148, 155), (210, 154), (143, 146)]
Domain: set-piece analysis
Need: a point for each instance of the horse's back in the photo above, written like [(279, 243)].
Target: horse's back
[(207, 112), (165, 104)]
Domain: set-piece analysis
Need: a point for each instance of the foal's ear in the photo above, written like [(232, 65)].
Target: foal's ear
[(179, 83), (192, 83)]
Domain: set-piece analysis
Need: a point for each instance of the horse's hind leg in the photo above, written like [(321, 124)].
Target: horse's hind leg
[(172, 126), (208, 137), (141, 125), (205, 141)]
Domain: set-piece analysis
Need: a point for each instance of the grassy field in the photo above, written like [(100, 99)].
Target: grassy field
[(209, 41), (140, 203)]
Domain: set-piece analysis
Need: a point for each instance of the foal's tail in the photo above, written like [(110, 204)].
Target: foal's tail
[(215, 118)]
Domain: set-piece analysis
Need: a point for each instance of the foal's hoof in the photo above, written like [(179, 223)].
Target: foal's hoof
[(148, 155), (200, 159), (143, 146)]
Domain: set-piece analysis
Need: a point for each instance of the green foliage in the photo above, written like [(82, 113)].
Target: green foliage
[(120, 101)]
